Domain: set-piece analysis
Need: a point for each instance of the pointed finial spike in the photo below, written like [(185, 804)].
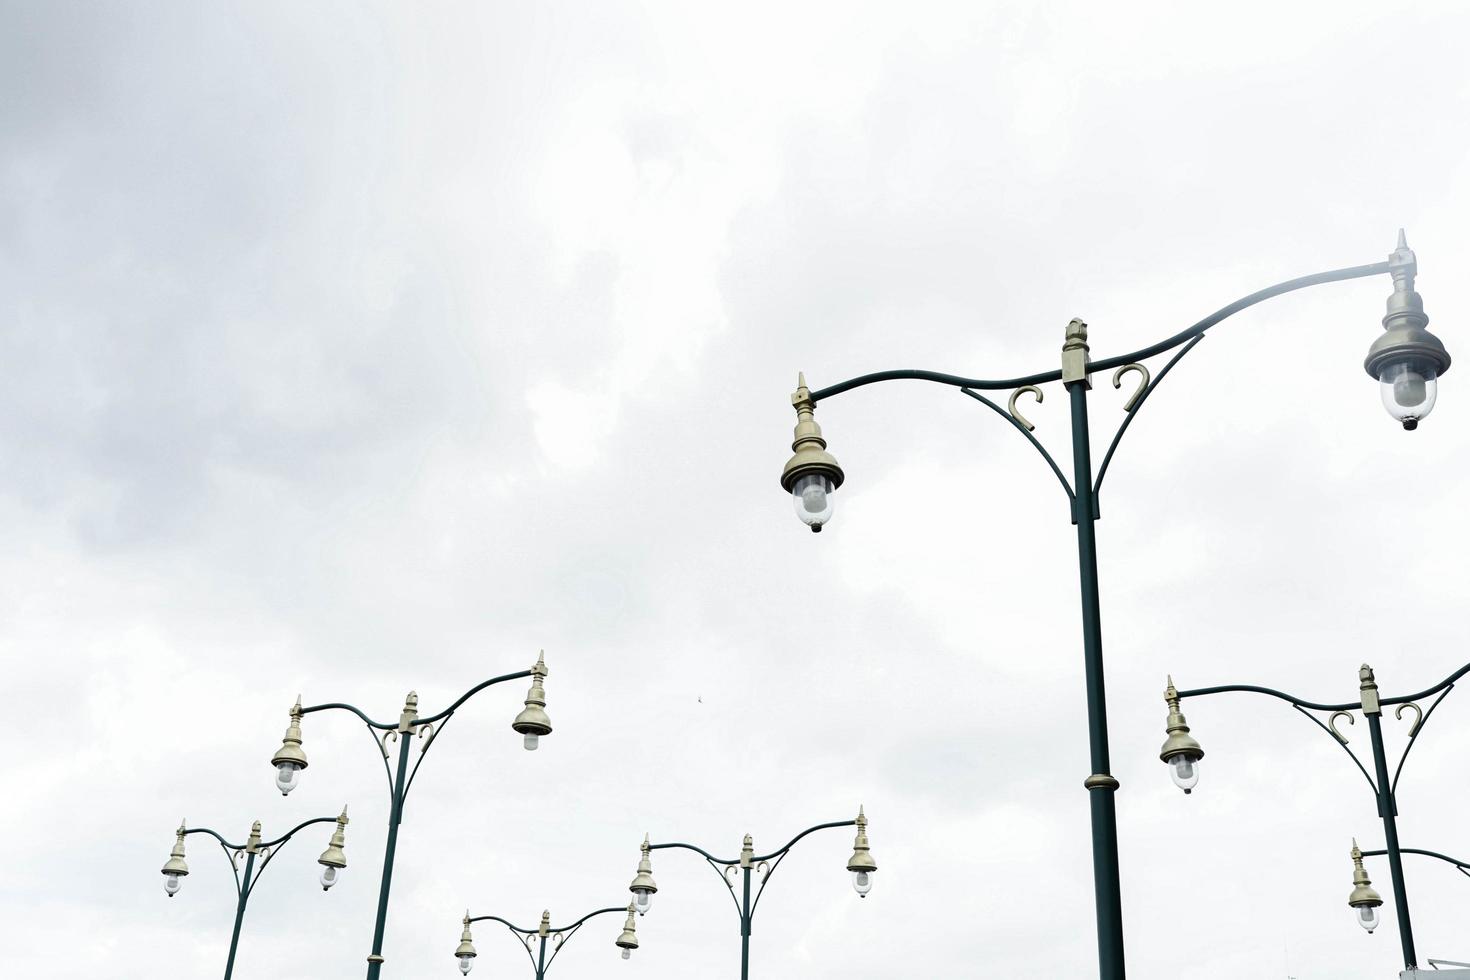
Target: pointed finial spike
[(801, 379), (1171, 679), (1403, 242)]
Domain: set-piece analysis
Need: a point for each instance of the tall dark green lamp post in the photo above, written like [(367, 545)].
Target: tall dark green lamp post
[(1406, 360), (749, 864), (332, 860), (535, 941), (290, 760), (1182, 753)]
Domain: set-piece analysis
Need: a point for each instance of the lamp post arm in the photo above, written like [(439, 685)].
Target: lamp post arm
[(983, 384), (565, 933), (1302, 709), (1447, 682), (509, 925), (697, 850), (590, 915), (1462, 866), (810, 830), (288, 834), (383, 726), (229, 850), (471, 693)]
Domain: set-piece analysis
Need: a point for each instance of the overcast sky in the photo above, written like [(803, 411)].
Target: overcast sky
[(354, 348)]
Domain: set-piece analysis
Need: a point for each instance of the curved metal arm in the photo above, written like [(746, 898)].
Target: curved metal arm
[(1462, 866), (698, 850), (1029, 437), (1134, 408), (810, 830), (1447, 682), (352, 708), (509, 925), (223, 842), (1300, 706), (1418, 727), (1197, 329), (306, 823), (471, 693)]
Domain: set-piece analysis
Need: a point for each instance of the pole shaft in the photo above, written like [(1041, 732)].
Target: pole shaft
[(240, 913), (541, 962), (1386, 809), (395, 817), (1100, 791), (745, 929)]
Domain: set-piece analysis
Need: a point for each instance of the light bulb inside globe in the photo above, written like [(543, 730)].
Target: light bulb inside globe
[(862, 882), (1368, 917), (329, 876), (1184, 771), (171, 884), (627, 954), (642, 899), (531, 741), (812, 495), (1409, 388), (465, 962), (286, 776)]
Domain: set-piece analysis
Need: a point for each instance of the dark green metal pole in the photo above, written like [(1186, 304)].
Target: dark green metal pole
[(745, 929), (541, 963), (1388, 810), (240, 913), (1100, 785), (395, 817)]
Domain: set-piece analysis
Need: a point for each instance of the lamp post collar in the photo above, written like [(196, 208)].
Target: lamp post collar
[(1368, 687), (1075, 360)]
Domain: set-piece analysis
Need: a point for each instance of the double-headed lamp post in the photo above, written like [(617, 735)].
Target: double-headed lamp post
[(290, 760), (1181, 752), (643, 887), (1406, 360), (538, 938), (332, 860)]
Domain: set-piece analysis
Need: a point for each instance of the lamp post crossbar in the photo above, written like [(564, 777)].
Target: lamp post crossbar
[(812, 474), (743, 867), (1370, 705), (400, 776), (556, 935)]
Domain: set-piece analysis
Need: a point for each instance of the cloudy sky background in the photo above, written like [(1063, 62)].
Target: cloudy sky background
[(353, 348)]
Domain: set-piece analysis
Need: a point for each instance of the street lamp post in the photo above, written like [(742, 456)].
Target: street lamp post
[(332, 860), (861, 864), (1406, 359), (290, 760), (538, 938), (1182, 753)]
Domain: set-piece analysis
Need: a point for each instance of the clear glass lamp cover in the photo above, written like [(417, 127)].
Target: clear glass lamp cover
[(812, 496), (627, 954), (862, 882), (1184, 771), (1368, 916), (171, 884), (329, 876), (642, 899), (286, 777), (531, 741), (1409, 388), (465, 962)]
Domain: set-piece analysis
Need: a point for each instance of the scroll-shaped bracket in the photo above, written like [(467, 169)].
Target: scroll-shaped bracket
[(1015, 412), (1332, 725), (1144, 378), (1398, 714), (383, 742), (731, 872), (426, 732)]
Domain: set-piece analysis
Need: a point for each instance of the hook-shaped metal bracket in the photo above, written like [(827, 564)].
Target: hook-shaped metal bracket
[(1143, 383), (1015, 414), (1332, 725), (1398, 714)]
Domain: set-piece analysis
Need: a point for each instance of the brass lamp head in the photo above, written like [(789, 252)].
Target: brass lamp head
[(177, 867), (466, 946), (1179, 742), (628, 941), (334, 856), (290, 750), (643, 881), (533, 721), (861, 859), (810, 458), (1407, 359), (1363, 894)]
